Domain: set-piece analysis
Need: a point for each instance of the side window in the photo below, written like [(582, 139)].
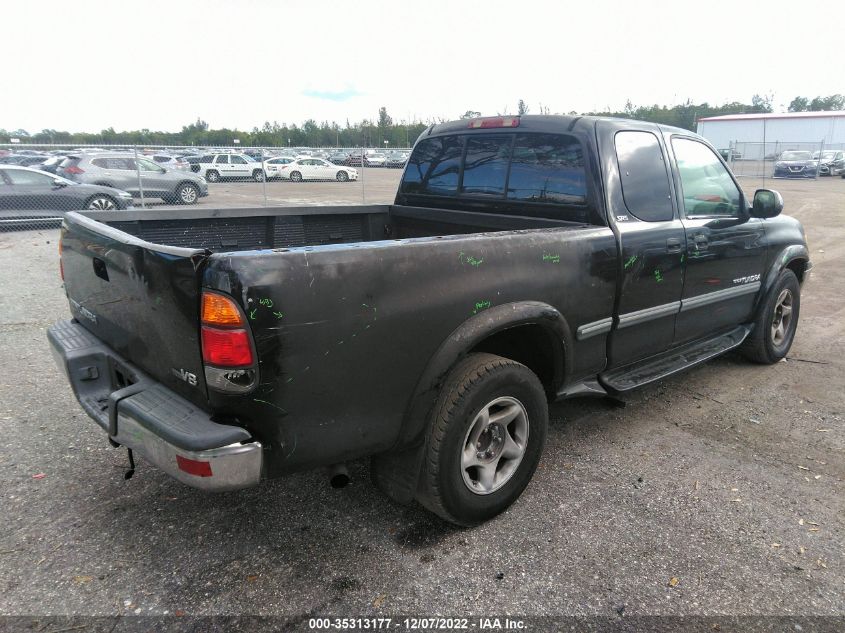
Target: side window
[(222, 159), (708, 188), (23, 177), (486, 165), (645, 181), (238, 160), (148, 165)]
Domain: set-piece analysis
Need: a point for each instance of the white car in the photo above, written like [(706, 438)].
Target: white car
[(316, 169), (216, 167), (272, 166), (173, 162)]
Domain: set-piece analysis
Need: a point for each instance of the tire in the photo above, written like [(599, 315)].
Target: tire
[(474, 469), (212, 176), (295, 176), (258, 175), (342, 176), (101, 202), (774, 326), (187, 193)]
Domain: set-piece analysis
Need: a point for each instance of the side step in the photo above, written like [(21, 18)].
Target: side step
[(632, 376)]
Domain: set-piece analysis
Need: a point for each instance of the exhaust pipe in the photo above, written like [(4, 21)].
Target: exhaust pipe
[(338, 476)]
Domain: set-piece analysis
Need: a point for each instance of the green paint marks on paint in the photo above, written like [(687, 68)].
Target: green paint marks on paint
[(658, 276), (630, 261), (481, 305), (551, 258)]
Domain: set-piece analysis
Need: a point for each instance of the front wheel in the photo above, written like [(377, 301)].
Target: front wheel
[(258, 175), (342, 176), (296, 176), (101, 203), (486, 438), (776, 321), (187, 193), (212, 176)]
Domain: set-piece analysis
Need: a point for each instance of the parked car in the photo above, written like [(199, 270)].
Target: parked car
[(730, 154), (396, 159), (548, 258), (23, 188), (795, 164), (316, 169), (376, 159), (831, 163), (51, 164), (272, 166), (171, 162), (339, 157), (217, 167), (119, 169)]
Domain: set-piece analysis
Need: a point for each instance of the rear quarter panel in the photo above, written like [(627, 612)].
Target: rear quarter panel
[(344, 333)]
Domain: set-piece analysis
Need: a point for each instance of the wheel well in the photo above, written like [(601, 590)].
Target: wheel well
[(533, 346), (99, 195), (186, 182), (798, 267)]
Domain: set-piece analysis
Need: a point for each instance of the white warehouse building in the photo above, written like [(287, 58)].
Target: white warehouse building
[(791, 130)]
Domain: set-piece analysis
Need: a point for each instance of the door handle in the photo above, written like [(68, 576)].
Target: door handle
[(673, 245), (701, 243)]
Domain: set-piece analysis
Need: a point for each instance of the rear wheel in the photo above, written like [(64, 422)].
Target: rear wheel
[(486, 438), (258, 175), (187, 193), (296, 176), (212, 176), (101, 203), (776, 321), (342, 176)]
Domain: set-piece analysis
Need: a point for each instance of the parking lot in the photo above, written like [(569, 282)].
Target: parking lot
[(718, 491)]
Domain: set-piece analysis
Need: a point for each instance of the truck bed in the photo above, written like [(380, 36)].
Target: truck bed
[(225, 230)]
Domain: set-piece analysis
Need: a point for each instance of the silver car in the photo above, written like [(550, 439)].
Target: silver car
[(119, 170)]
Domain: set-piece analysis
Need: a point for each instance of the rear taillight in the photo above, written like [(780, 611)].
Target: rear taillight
[(225, 341), (226, 348), (73, 169)]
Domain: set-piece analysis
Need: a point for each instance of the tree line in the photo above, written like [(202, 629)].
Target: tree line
[(383, 131)]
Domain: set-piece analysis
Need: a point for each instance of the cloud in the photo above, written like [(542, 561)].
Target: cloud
[(333, 95)]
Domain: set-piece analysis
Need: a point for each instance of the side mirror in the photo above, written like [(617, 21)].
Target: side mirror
[(58, 182), (767, 204)]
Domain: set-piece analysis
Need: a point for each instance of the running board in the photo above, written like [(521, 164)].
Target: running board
[(689, 355)]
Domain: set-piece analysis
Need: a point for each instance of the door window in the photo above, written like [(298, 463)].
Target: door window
[(708, 189), (113, 163), (223, 159), (645, 181), (238, 160), (22, 177), (147, 165)]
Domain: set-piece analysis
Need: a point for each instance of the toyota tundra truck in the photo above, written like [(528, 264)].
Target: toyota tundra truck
[(524, 260)]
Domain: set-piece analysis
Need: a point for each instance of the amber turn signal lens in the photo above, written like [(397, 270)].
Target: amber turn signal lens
[(220, 310)]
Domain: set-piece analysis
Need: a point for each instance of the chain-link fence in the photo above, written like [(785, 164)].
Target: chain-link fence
[(38, 183), (781, 159)]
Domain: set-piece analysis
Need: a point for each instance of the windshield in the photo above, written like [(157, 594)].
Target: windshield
[(796, 156), (830, 155)]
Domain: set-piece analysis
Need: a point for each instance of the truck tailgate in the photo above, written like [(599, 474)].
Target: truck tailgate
[(140, 299)]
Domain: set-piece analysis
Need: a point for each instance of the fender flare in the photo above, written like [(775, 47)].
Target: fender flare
[(782, 260), (469, 334)]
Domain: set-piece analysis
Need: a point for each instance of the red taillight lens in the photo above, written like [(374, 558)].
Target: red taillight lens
[(226, 348), (494, 122), (73, 169)]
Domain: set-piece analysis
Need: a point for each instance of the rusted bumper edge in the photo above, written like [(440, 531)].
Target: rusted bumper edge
[(142, 414)]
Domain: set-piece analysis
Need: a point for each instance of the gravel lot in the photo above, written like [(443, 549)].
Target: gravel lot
[(716, 492)]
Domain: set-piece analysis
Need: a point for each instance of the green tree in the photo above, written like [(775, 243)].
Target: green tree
[(470, 114), (799, 104), (521, 108)]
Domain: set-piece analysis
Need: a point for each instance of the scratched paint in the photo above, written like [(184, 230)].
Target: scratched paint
[(480, 306), (270, 404), (552, 258), (631, 261), (470, 259)]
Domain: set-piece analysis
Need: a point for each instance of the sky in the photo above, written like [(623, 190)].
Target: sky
[(87, 65)]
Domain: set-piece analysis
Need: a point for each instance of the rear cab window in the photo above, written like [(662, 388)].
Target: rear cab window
[(526, 173), (644, 176)]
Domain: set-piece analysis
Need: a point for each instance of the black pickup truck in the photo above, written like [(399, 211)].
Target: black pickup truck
[(525, 259)]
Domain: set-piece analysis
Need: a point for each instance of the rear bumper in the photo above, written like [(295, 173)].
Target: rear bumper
[(144, 415)]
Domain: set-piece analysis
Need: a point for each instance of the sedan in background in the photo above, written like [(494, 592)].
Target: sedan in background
[(396, 159), (272, 166), (376, 159), (22, 188), (172, 162), (316, 169), (831, 163), (796, 164)]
